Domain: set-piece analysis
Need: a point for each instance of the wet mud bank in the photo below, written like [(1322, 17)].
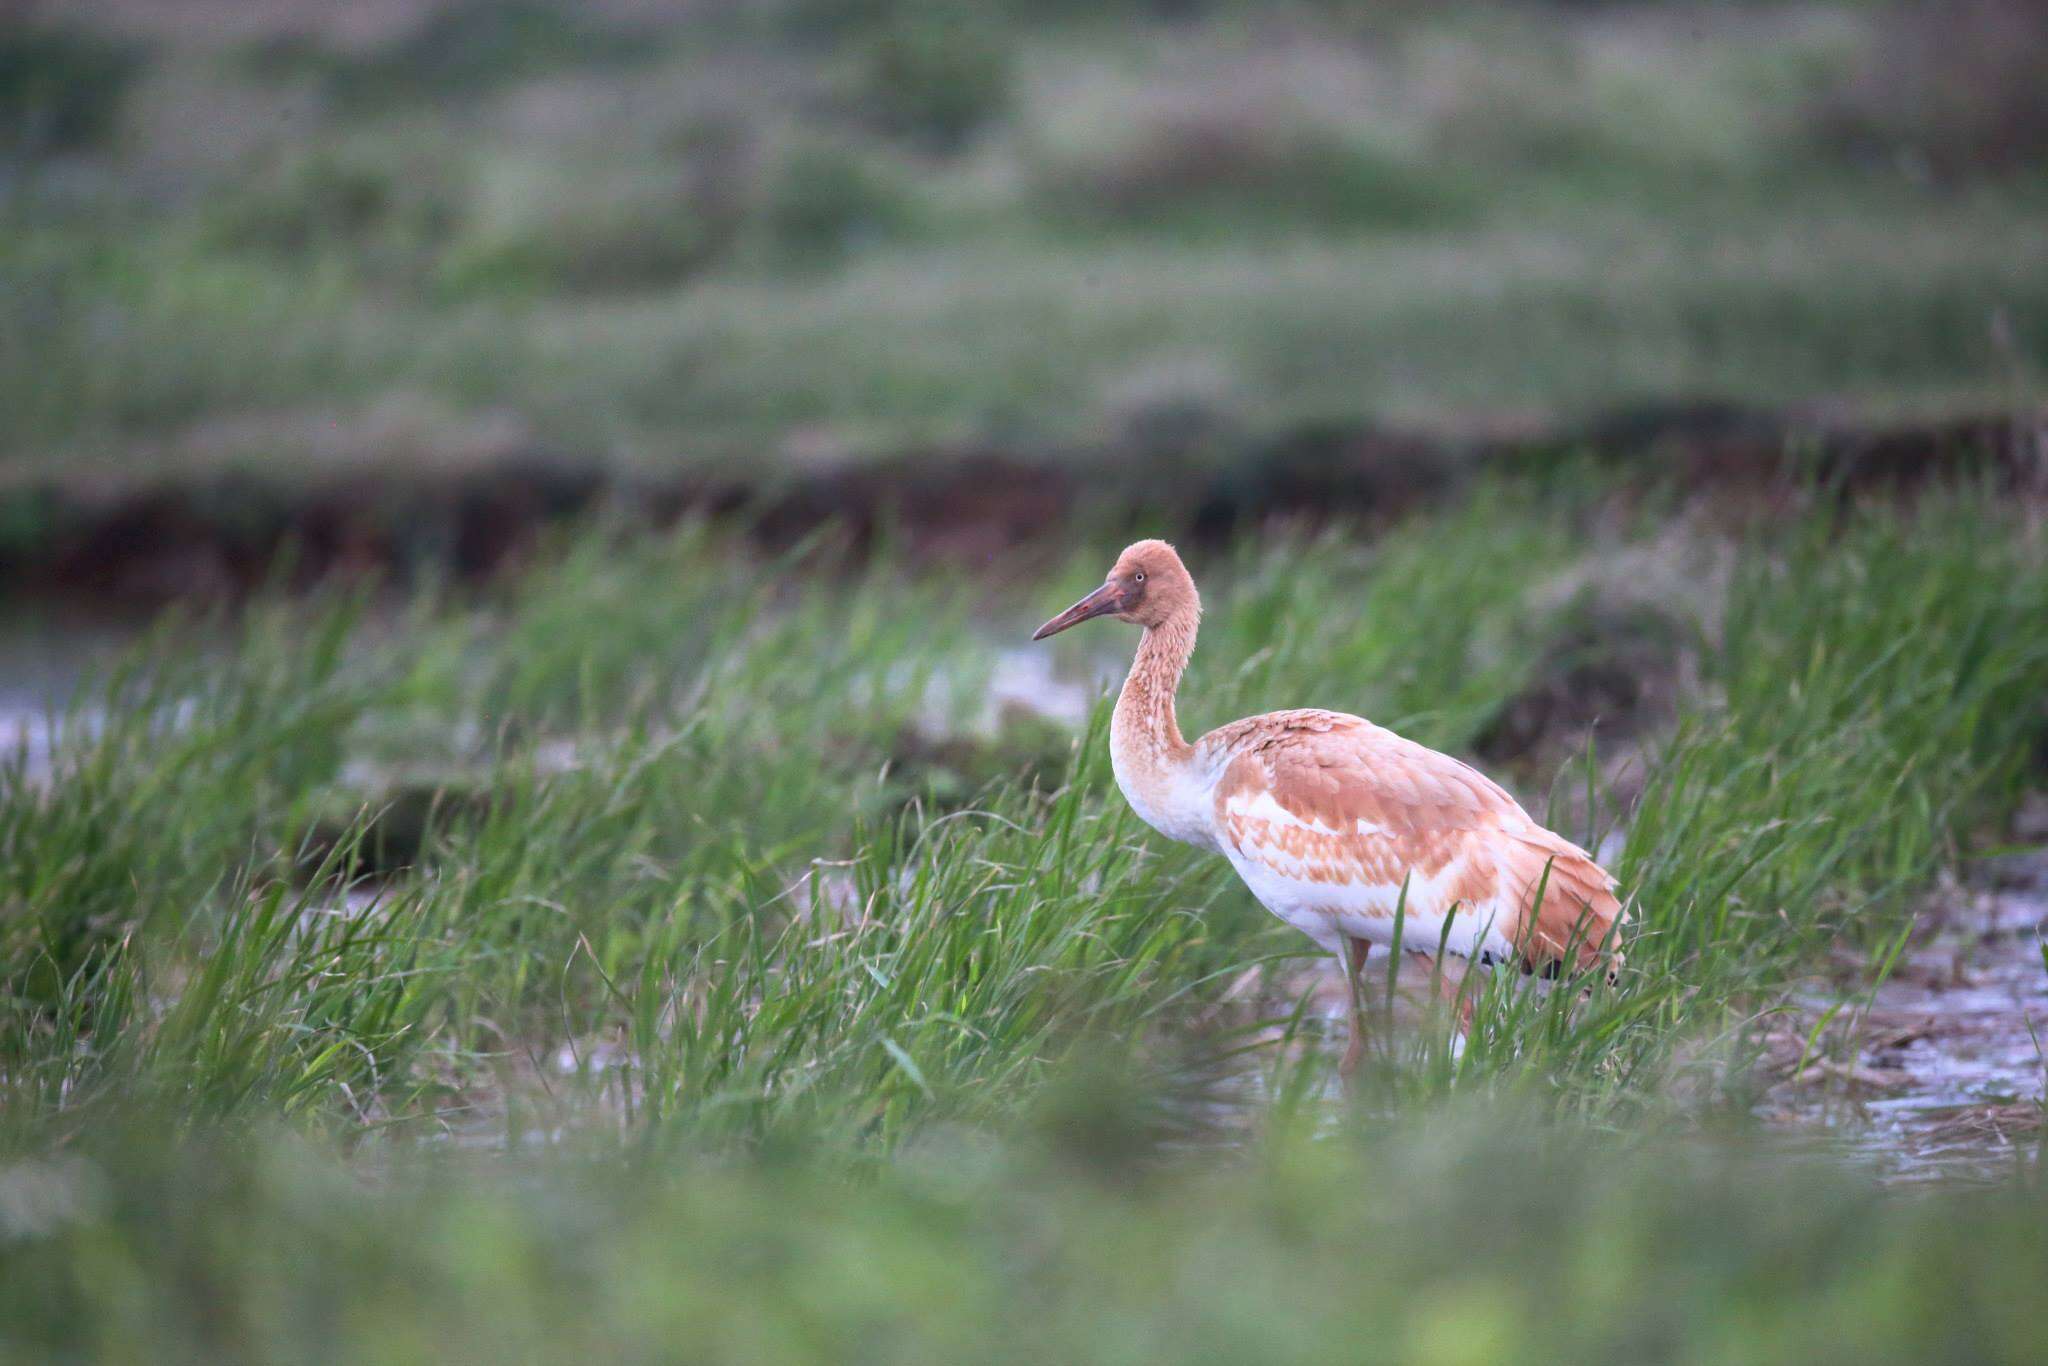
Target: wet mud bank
[(149, 538), (1938, 1072)]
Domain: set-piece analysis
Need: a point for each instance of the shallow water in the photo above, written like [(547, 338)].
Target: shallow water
[(41, 667), (1942, 1076)]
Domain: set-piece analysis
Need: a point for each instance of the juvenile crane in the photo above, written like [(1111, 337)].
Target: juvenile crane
[(1334, 822)]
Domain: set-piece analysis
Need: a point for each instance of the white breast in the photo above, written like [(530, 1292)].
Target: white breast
[(1177, 800)]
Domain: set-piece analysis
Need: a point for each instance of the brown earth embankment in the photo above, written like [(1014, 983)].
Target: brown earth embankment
[(150, 538)]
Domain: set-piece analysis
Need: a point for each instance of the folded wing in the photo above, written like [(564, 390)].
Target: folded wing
[(1336, 815)]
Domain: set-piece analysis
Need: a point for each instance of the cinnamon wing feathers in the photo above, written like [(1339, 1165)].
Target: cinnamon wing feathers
[(1367, 805)]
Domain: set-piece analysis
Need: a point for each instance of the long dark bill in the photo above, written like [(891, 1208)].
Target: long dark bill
[(1101, 602)]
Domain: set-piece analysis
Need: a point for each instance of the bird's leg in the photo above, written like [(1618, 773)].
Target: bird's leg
[(1449, 982), (1353, 953)]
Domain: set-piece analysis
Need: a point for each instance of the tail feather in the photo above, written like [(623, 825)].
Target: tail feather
[(1568, 908)]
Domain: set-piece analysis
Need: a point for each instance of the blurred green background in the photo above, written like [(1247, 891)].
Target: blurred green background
[(299, 234)]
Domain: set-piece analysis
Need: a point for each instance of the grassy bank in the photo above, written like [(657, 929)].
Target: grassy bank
[(472, 232), (1880, 306)]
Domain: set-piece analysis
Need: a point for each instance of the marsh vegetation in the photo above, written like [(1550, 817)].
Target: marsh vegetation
[(520, 923), (665, 854)]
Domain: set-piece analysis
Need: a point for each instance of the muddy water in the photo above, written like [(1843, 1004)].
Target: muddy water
[(1941, 1077), (41, 666), (1030, 681)]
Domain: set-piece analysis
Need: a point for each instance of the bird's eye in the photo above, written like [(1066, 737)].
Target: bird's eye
[(1140, 576)]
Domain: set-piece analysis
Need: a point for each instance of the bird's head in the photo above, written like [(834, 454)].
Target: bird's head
[(1148, 586)]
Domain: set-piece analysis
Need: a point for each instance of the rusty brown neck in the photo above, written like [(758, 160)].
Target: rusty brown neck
[(1145, 722)]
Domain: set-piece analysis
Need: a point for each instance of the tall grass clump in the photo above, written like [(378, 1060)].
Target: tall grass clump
[(214, 808), (188, 763), (1873, 703), (1880, 678)]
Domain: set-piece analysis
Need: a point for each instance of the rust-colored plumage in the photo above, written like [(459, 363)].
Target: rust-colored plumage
[(1337, 825)]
